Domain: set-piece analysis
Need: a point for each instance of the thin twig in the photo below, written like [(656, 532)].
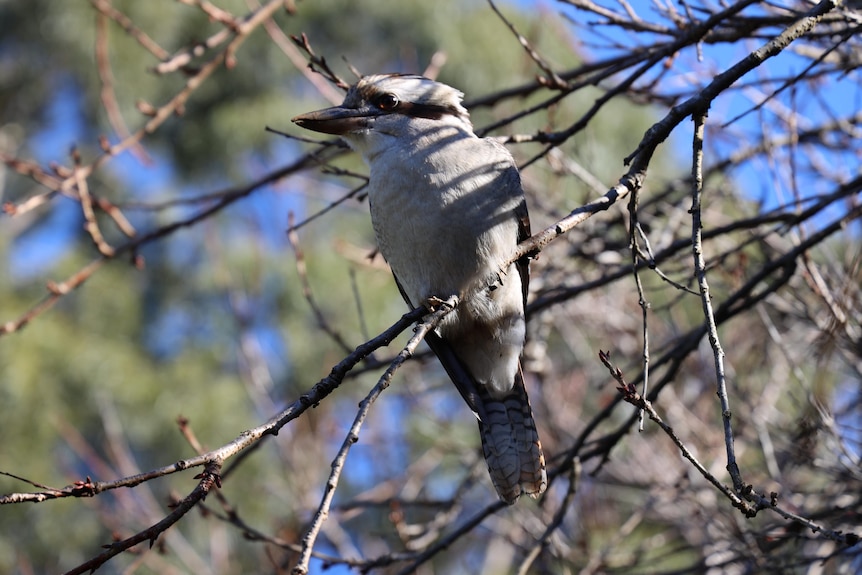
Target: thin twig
[(629, 394), (430, 322), (634, 226), (318, 63), (355, 192), (107, 94), (706, 300), (90, 223), (57, 290), (208, 479), (445, 542), (551, 78), (307, 293), (126, 24), (296, 58), (659, 132), (792, 81), (562, 510), (246, 439), (157, 115)]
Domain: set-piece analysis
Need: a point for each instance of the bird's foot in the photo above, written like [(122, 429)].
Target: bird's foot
[(433, 303)]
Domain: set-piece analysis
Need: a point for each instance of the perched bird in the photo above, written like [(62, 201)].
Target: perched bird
[(448, 211)]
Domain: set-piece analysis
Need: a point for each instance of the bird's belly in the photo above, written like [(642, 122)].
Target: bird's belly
[(443, 233), (431, 255), (448, 228)]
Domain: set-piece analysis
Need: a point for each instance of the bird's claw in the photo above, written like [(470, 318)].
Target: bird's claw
[(433, 303)]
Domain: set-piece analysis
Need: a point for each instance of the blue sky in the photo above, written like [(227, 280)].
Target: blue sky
[(831, 98)]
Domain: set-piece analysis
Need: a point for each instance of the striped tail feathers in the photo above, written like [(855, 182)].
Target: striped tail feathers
[(510, 441), (511, 444)]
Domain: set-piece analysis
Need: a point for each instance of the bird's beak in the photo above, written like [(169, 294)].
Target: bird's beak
[(337, 120)]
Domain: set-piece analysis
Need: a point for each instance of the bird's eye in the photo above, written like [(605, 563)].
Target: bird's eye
[(387, 102)]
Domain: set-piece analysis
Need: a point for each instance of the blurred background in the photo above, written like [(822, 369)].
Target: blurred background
[(149, 293)]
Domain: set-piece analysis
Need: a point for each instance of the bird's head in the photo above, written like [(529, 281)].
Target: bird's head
[(389, 105)]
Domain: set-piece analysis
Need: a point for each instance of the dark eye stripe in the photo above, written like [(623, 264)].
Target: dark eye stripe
[(430, 111)]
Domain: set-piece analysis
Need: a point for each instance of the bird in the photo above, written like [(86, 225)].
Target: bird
[(448, 211)]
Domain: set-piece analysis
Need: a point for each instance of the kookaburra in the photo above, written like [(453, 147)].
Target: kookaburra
[(448, 211)]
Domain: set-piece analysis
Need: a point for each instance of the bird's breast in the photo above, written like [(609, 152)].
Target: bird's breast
[(441, 223)]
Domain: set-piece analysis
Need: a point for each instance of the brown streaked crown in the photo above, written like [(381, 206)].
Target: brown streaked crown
[(407, 94)]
